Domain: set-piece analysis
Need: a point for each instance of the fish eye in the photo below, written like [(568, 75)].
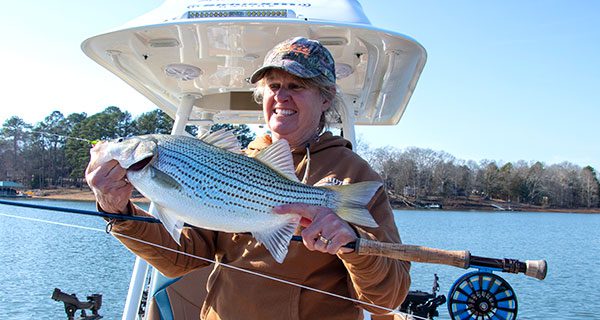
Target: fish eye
[(120, 139)]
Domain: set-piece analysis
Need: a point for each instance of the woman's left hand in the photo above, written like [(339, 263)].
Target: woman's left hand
[(324, 230)]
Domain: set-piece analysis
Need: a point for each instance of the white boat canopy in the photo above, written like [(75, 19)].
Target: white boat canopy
[(197, 55)]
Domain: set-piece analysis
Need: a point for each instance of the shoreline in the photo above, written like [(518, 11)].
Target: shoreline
[(85, 194)]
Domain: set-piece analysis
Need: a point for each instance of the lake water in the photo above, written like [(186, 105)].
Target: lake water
[(36, 257)]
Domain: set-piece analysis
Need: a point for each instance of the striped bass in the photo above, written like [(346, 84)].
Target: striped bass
[(208, 183)]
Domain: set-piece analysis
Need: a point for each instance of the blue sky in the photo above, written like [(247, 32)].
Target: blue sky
[(505, 80)]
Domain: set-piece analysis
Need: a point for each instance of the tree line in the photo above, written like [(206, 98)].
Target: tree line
[(421, 174), (54, 153)]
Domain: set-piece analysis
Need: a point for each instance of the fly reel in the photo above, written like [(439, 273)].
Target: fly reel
[(482, 295)]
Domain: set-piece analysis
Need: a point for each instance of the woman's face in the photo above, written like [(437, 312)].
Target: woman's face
[(292, 112)]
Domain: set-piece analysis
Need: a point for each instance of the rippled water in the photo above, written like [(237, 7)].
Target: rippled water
[(36, 257), (570, 243)]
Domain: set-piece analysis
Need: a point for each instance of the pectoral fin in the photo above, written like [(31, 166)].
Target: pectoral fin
[(163, 179), (169, 219)]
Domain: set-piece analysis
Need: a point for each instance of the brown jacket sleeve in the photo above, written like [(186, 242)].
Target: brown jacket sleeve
[(378, 280), (198, 242)]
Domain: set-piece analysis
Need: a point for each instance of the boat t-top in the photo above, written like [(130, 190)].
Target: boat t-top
[(193, 58)]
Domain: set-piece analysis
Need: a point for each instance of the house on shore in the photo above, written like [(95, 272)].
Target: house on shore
[(11, 189)]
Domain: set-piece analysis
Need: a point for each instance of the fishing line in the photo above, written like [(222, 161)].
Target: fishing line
[(51, 222), (391, 311), (81, 211), (92, 142), (113, 216)]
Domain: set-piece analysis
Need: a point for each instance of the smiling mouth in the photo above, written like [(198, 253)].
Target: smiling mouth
[(284, 112), (140, 164)]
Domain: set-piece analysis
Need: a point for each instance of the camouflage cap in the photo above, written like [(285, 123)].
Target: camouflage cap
[(299, 56)]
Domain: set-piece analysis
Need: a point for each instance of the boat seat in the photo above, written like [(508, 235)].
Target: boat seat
[(179, 298)]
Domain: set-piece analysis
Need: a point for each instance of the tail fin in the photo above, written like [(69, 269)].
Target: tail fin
[(353, 200)]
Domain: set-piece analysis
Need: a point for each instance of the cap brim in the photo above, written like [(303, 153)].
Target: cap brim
[(260, 73)]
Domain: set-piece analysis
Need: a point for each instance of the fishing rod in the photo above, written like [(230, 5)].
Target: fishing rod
[(477, 294), (460, 258), (80, 211), (92, 142)]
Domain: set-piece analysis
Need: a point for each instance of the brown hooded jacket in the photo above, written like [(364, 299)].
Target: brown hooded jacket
[(235, 294)]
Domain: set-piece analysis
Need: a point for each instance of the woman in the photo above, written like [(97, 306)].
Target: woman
[(296, 87)]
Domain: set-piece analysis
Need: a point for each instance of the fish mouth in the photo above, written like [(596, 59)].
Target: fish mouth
[(140, 164)]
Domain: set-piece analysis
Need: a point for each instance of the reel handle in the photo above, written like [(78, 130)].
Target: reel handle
[(406, 252)]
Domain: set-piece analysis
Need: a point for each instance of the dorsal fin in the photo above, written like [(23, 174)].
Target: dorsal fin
[(224, 139), (278, 157)]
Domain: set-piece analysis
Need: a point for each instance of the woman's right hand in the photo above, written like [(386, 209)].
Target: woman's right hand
[(110, 186)]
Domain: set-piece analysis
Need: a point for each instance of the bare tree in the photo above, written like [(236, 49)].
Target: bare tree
[(590, 187)]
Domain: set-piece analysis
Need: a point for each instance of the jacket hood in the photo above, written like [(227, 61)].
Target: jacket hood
[(325, 141)]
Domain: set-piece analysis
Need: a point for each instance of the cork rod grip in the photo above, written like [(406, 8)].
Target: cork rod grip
[(413, 253)]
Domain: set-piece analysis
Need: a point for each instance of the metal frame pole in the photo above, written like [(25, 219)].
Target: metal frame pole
[(141, 267)]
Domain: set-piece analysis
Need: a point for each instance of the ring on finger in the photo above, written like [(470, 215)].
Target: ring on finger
[(324, 240)]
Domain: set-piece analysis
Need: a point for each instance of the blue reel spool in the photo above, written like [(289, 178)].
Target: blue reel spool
[(482, 295)]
